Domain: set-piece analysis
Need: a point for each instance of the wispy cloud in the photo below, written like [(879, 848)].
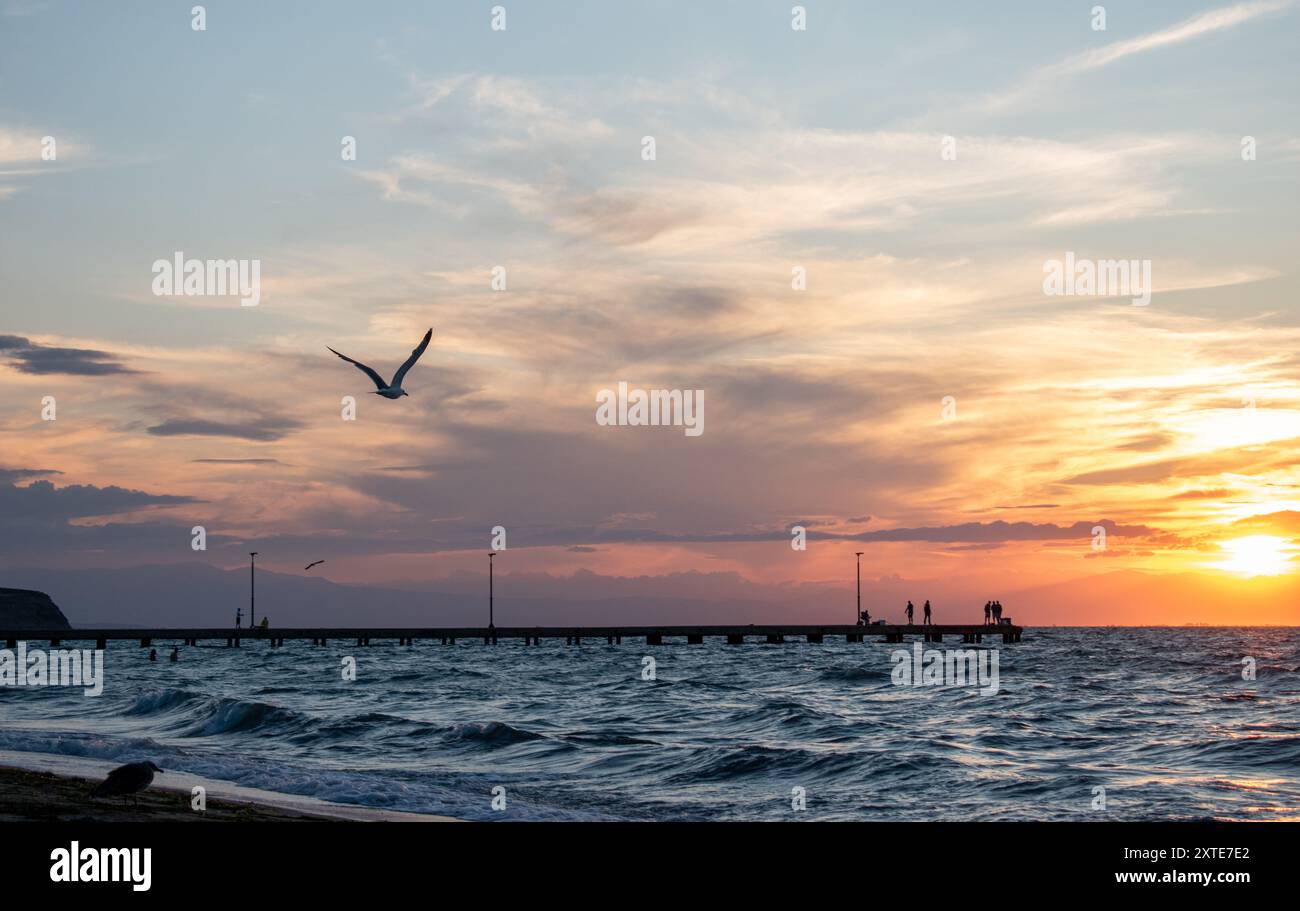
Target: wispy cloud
[(1188, 30), (20, 156), (763, 183), (1197, 26)]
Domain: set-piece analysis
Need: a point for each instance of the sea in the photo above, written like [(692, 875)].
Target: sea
[(1085, 724)]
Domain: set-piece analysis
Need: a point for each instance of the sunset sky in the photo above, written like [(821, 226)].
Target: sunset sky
[(1175, 426)]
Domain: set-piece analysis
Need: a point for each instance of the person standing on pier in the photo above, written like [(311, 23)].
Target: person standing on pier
[(988, 612), (864, 618), (997, 612), (239, 617), (925, 613), (909, 613)]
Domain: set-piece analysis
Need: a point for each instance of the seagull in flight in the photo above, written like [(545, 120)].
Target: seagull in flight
[(310, 565), (394, 389)]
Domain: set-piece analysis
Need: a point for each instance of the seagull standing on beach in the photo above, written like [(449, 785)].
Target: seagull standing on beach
[(127, 780), (394, 389)]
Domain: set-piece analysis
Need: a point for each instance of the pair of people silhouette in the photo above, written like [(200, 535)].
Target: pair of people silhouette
[(992, 613), (925, 613), (239, 621)]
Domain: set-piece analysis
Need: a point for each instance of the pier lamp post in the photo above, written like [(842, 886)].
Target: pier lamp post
[(491, 623), (252, 591), (858, 616)]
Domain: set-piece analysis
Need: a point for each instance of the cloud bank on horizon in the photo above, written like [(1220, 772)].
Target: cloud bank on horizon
[(840, 238)]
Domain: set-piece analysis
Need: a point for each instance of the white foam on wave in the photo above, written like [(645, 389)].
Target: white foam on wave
[(83, 767), (366, 789)]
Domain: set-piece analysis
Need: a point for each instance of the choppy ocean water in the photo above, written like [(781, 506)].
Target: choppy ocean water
[(1159, 718)]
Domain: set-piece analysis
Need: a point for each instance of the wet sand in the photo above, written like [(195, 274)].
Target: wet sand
[(43, 797), (31, 792)]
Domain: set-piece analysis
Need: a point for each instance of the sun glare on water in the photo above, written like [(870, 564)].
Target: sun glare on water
[(1258, 555)]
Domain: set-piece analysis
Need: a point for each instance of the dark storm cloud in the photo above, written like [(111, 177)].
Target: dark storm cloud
[(27, 357)]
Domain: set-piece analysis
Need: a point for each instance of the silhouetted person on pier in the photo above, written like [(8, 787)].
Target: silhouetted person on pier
[(864, 618), (176, 654), (153, 654), (239, 617), (988, 612), (909, 613), (997, 612), (925, 613)]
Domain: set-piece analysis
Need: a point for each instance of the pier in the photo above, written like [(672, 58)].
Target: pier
[(530, 635)]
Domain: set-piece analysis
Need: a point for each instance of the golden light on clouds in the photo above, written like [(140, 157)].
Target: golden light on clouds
[(1245, 426)]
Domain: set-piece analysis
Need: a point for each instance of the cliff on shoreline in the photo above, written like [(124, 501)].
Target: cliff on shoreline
[(24, 609)]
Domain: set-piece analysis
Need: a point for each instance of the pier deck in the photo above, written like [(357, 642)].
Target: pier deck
[(531, 635)]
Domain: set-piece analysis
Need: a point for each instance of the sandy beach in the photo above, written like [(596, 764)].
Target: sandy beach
[(37, 788)]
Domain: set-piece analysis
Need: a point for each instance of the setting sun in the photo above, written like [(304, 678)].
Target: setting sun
[(1257, 555)]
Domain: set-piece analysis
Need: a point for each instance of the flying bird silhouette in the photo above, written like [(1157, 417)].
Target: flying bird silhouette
[(310, 565), (394, 389)]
